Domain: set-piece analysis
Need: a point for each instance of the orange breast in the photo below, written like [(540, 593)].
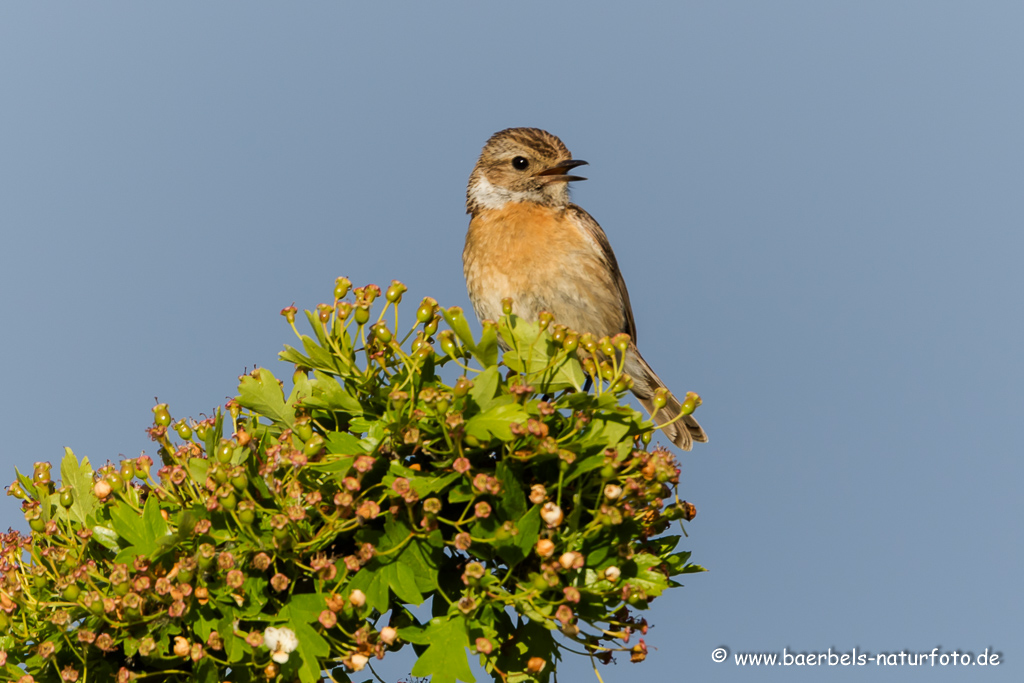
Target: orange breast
[(540, 258)]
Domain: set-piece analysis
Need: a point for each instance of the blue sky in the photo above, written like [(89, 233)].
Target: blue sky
[(817, 207)]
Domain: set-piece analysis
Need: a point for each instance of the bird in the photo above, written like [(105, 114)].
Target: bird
[(527, 241)]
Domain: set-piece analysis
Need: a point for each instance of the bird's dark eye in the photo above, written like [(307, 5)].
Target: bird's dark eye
[(520, 163)]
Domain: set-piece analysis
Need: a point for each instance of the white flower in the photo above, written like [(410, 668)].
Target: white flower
[(280, 641)]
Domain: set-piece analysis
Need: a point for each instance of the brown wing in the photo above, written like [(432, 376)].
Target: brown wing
[(593, 229)]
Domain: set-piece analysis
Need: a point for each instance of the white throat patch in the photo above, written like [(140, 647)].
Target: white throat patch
[(489, 196)]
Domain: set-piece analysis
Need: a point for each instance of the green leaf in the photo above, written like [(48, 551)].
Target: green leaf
[(321, 359), (529, 530), (487, 349), (301, 610), (495, 422), (485, 386), (205, 671), (585, 465), (28, 485), (665, 544), (445, 659), (519, 333), (456, 320), (533, 639), (127, 523), (79, 478), (402, 580), (233, 645), (265, 396), (344, 443), (648, 579), (143, 532), (307, 606), (529, 361), (422, 485), (334, 396), (565, 375), (153, 522), (608, 430), (294, 356), (312, 647), (512, 501), (461, 493), (422, 559), (106, 537), (372, 581)]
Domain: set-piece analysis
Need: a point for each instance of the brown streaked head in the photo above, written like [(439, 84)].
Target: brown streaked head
[(521, 165)]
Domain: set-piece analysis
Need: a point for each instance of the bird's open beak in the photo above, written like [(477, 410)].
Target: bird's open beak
[(556, 174)]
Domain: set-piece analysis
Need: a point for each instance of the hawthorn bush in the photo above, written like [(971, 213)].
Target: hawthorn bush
[(287, 537)]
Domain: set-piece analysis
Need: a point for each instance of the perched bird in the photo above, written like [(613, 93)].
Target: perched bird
[(527, 241)]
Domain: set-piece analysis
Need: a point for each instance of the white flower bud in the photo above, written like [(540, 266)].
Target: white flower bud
[(612, 574), (568, 560), (612, 491), (551, 514), (538, 494)]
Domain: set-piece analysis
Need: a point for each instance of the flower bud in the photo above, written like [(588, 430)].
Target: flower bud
[(538, 494), (184, 431), (161, 417), (426, 310), (388, 635), (612, 573), (341, 287), (102, 489), (570, 560), (182, 647), (606, 346), (545, 548), (462, 387), (395, 292), (358, 662), (551, 514), (660, 398)]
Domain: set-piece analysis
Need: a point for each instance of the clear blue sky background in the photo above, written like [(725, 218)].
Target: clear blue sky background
[(818, 207)]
